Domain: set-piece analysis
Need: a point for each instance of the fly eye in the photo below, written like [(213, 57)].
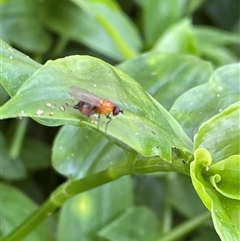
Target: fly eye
[(117, 110)]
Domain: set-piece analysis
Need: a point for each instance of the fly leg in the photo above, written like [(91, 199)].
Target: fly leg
[(109, 120), (98, 121)]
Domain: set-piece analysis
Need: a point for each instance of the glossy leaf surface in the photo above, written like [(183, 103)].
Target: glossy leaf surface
[(136, 224), (79, 152), (15, 69), (46, 95), (221, 134), (166, 76), (202, 102)]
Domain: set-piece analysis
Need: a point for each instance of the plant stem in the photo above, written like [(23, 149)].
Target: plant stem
[(71, 188), (63, 193), (18, 138), (155, 164), (185, 228)]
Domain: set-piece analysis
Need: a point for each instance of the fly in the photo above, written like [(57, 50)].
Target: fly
[(90, 104)]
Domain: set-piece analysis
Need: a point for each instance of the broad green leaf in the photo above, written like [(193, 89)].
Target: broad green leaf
[(218, 55), (135, 224), (179, 38), (215, 36), (145, 187), (158, 16), (145, 125), (95, 24), (21, 26), (12, 169), (90, 211), (202, 102), (15, 207), (15, 68), (166, 76), (108, 14), (182, 193), (224, 210), (227, 177), (79, 152), (221, 134)]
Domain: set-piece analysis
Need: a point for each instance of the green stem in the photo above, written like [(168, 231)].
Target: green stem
[(18, 138), (167, 209), (70, 188), (63, 193), (156, 164), (185, 228), (32, 222)]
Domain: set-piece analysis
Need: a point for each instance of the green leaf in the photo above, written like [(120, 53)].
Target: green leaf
[(227, 177), (224, 210), (79, 152), (179, 38), (95, 24), (135, 224), (158, 16), (12, 169), (145, 125), (202, 102), (215, 36), (181, 193), (15, 207), (90, 211), (220, 134), (166, 82), (218, 55), (4, 95), (15, 68), (22, 26)]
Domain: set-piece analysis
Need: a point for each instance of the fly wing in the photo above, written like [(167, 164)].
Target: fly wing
[(84, 95)]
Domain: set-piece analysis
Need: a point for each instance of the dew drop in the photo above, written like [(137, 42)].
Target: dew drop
[(220, 110), (49, 105), (220, 88), (22, 112), (62, 108), (51, 114), (11, 57), (39, 112), (218, 95)]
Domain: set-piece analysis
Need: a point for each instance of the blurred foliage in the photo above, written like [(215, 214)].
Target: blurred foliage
[(172, 67)]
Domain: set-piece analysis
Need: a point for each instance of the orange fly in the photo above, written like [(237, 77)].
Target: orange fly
[(90, 104)]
